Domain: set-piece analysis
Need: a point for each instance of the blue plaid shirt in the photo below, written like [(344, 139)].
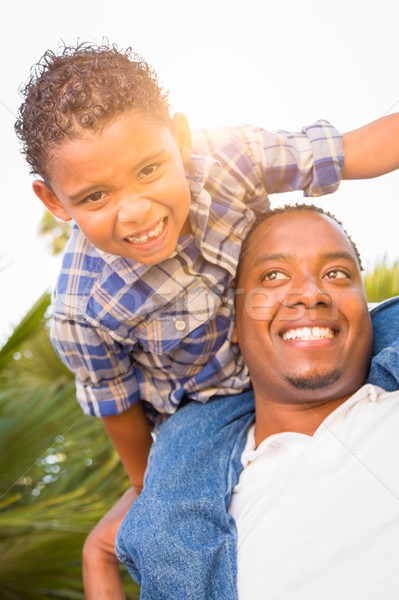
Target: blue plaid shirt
[(161, 332)]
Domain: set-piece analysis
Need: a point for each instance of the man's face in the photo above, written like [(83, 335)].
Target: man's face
[(124, 186), (302, 320)]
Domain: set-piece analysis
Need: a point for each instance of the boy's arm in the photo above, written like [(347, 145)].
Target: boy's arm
[(373, 149), (130, 435)]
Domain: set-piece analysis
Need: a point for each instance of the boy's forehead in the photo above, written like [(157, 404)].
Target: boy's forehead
[(132, 136)]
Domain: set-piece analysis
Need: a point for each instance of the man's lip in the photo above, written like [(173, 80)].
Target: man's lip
[(321, 323), (135, 234)]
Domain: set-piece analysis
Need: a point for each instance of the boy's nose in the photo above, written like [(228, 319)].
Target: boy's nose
[(133, 209)]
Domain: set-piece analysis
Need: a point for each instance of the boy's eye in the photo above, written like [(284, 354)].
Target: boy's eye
[(274, 276), (337, 274), (148, 170), (95, 197)]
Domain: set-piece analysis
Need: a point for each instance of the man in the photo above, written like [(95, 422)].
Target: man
[(317, 503)]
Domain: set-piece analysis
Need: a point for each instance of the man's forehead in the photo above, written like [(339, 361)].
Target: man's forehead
[(289, 235), (265, 256)]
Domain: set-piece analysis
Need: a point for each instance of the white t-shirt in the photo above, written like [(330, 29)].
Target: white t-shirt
[(318, 517)]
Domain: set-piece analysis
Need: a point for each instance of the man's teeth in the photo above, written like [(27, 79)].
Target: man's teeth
[(141, 239), (308, 333)]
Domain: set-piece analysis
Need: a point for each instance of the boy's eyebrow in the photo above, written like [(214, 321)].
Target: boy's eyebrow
[(83, 192), (86, 191), (149, 158)]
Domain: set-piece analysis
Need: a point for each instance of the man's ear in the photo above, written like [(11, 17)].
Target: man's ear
[(50, 200), (182, 133)]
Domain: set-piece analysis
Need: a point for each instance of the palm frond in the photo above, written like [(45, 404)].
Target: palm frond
[(60, 473)]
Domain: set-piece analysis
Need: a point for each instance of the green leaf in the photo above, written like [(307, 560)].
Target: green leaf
[(383, 282), (60, 473)]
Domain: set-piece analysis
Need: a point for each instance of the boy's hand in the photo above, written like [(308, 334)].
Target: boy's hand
[(101, 576)]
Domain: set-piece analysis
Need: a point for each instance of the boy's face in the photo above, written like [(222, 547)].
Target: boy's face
[(124, 186)]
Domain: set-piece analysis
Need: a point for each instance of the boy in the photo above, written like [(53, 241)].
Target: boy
[(144, 303)]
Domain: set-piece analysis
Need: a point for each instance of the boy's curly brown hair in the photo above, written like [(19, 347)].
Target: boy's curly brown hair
[(83, 87)]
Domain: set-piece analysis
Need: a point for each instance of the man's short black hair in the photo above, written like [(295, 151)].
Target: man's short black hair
[(261, 218)]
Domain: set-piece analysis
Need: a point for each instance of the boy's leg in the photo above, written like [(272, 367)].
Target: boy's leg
[(178, 539), (384, 370)]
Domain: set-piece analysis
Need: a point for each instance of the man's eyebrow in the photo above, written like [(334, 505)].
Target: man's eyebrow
[(339, 254), (275, 256), (86, 191)]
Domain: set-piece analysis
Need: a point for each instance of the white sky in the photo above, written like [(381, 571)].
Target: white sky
[(276, 64)]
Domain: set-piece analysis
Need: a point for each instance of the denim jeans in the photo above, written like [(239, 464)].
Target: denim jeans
[(178, 540)]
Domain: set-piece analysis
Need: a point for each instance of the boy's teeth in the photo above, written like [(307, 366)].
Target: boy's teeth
[(150, 234), (308, 333)]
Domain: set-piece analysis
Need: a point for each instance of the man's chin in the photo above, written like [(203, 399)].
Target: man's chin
[(314, 381)]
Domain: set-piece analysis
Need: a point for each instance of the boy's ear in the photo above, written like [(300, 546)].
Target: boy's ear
[(182, 133), (50, 200)]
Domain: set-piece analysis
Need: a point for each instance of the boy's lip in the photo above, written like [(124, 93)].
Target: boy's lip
[(133, 237), (149, 243)]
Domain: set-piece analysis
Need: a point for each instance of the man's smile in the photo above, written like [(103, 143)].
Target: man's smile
[(309, 333)]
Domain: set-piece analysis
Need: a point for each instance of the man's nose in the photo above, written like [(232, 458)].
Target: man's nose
[(307, 291), (133, 209)]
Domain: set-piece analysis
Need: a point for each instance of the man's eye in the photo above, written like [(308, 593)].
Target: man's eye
[(95, 197), (337, 274), (273, 276), (149, 170)]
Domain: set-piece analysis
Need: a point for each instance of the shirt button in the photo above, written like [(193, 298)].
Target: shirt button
[(180, 325)]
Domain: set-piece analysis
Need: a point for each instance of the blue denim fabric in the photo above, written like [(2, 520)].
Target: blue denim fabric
[(384, 370), (178, 541)]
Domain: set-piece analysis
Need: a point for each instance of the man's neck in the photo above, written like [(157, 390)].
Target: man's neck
[(300, 417)]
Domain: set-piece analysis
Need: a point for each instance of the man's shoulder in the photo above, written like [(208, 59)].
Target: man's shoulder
[(385, 396), (369, 407)]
